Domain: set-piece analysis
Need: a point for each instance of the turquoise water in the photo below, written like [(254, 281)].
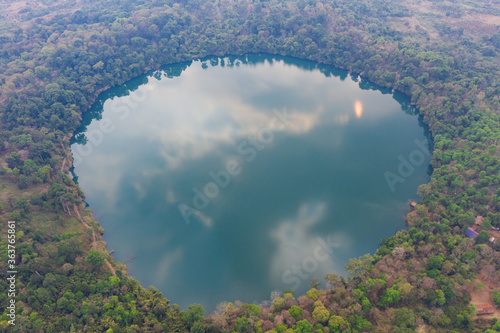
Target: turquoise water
[(227, 179)]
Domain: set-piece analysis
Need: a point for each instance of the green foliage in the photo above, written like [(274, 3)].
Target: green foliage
[(321, 314), (303, 326), (361, 323), (338, 324), (95, 258), (333, 279), (479, 286), (114, 281), (404, 318), (365, 303), (359, 267), (193, 314), (295, 311), (439, 297), (313, 293), (279, 303), (496, 297), (315, 283), (281, 328), (198, 327), (435, 262), (242, 324), (392, 296), (252, 310), (482, 238)]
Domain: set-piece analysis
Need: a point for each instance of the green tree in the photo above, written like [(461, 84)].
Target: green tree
[(315, 283), (194, 313), (95, 258), (198, 327), (358, 267), (321, 314), (333, 278), (482, 238), (279, 303), (313, 293), (242, 324), (496, 297), (435, 262), (295, 311), (404, 318), (303, 326), (338, 324), (439, 297)]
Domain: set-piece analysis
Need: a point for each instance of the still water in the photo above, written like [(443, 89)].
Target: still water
[(227, 179)]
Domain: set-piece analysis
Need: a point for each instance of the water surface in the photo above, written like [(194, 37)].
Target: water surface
[(227, 179)]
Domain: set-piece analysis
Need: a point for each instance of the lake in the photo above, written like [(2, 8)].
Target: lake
[(226, 179)]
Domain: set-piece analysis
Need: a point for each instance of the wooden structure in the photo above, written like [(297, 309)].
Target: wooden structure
[(479, 219)]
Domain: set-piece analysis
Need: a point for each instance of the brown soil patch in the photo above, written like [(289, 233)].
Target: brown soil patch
[(483, 296), (494, 233), (422, 329), (489, 19)]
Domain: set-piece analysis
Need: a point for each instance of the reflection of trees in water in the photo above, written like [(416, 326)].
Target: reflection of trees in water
[(175, 70)]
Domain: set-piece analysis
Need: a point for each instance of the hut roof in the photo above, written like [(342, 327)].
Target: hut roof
[(471, 233), (484, 309)]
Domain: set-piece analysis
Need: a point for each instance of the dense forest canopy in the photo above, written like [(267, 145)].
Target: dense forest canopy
[(57, 56)]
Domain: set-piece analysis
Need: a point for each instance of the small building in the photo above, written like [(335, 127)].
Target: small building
[(492, 240), (413, 204), (479, 219), (484, 309), (471, 233)]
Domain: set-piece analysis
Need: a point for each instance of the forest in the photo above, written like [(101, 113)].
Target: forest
[(56, 57)]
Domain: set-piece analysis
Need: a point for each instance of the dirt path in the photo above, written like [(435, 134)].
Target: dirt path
[(85, 224), (433, 35), (111, 268), (94, 243), (64, 152), (63, 164)]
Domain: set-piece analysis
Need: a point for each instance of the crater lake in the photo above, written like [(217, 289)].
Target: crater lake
[(226, 179)]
